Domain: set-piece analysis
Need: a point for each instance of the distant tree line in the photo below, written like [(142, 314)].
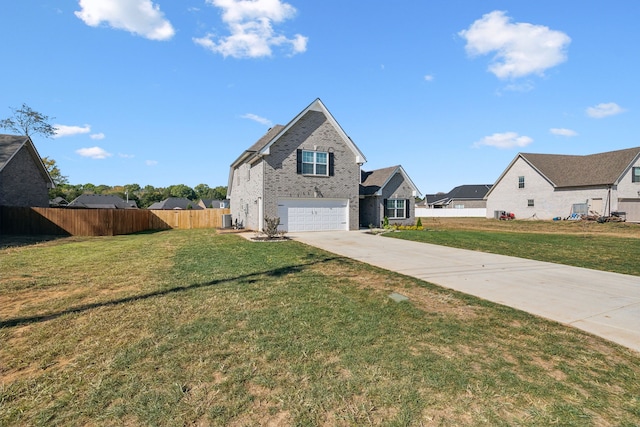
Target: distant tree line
[(143, 196)]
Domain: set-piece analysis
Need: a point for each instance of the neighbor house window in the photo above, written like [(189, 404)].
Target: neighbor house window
[(315, 163), (580, 208), (521, 182), (635, 174), (530, 202), (396, 209)]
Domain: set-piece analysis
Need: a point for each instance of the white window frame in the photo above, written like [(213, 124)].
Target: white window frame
[(314, 163), (521, 182), (396, 208), (635, 174)]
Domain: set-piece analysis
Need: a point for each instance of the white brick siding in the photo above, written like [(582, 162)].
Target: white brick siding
[(550, 203)]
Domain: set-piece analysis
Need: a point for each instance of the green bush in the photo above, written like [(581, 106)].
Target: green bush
[(385, 222)]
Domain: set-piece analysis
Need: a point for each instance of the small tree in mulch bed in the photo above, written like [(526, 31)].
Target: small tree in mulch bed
[(271, 228)]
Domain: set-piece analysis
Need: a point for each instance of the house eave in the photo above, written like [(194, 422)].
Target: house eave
[(33, 151), (318, 106), (242, 158)]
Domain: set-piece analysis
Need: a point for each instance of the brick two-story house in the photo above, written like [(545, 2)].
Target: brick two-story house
[(307, 173)]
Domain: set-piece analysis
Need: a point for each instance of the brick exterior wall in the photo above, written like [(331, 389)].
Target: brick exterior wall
[(278, 171), (22, 183), (373, 210), (628, 189), (548, 203), (246, 194)]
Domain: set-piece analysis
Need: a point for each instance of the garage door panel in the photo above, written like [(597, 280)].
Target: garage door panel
[(313, 214), (631, 207)]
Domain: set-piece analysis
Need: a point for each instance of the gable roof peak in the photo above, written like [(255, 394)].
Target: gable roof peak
[(372, 182), (10, 145), (263, 145), (318, 106)]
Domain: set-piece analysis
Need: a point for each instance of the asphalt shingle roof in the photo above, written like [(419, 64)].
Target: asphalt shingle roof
[(266, 138), (9, 144), (469, 192), (104, 201), (372, 181), (175, 203), (579, 171)]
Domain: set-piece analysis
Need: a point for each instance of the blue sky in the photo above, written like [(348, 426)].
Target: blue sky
[(171, 92)]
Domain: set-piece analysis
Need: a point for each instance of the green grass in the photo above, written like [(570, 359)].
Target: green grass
[(599, 252), (190, 327)]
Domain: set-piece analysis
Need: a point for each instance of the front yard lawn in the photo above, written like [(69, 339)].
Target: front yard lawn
[(607, 247), (195, 328)]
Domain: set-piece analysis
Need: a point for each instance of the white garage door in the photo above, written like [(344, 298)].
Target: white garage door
[(313, 214)]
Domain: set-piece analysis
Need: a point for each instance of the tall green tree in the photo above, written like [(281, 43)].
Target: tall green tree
[(54, 171), (182, 190), (203, 191), (132, 188), (101, 189), (219, 193), (26, 121), (66, 191)]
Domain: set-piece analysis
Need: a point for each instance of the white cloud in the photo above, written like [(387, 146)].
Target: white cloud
[(563, 132), (504, 140), (258, 119), (64, 130), (93, 153), (428, 78), (140, 17), (520, 48), (97, 136), (522, 87), (126, 156), (604, 110), (151, 162), (250, 23)]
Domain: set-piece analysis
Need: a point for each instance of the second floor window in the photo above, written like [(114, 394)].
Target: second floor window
[(521, 182), (315, 163), (635, 174)]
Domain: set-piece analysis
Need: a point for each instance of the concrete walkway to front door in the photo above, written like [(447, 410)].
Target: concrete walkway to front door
[(602, 303)]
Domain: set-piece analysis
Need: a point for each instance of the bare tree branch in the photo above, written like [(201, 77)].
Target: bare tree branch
[(26, 121)]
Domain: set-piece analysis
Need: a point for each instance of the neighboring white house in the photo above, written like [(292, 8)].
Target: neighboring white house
[(546, 186)]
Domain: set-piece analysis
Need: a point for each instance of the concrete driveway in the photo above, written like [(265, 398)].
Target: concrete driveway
[(604, 304)]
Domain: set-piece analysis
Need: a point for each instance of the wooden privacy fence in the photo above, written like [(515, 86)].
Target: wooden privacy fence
[(187, 219), (102, 222)]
